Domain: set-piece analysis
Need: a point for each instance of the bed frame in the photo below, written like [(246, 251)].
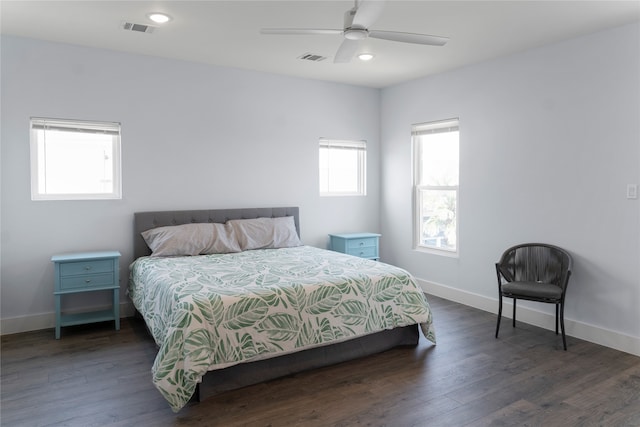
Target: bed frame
[(238, 376)]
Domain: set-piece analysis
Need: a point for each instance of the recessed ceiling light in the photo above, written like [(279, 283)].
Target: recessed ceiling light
[(159, 18), (366, 56)]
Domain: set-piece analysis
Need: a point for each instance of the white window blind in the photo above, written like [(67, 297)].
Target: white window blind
[(107, 128), (442, 126)]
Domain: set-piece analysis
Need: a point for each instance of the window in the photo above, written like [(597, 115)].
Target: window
[(342, 168), (436, 156), (74, 160)]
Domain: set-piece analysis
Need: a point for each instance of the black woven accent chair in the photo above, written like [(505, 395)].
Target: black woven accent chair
[(534, 272)]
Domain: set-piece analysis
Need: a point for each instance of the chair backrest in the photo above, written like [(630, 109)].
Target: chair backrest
[(536, 262)]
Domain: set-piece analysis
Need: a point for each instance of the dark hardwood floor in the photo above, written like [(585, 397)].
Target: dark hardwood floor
[(95, 376)]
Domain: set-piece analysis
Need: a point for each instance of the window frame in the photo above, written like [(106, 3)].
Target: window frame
[(360, 146), (38, 156), (417, 130)]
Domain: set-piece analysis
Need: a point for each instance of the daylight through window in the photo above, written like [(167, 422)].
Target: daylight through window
[(342, 167), (73, 160), (436, 172)]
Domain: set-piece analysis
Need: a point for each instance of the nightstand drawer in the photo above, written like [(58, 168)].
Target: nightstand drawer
[(86, 267), (355, 244), (364, 252), (87, 280), (364, 245)]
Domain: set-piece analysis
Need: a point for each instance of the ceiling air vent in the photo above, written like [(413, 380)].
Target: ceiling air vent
[(140, 28), (312, 57)]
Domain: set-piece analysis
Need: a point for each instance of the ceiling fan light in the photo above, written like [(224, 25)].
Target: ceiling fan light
[(366, 56), (159, 18), (355, 33)]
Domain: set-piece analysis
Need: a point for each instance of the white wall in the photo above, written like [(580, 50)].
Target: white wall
[(193, 137), (549, 140)]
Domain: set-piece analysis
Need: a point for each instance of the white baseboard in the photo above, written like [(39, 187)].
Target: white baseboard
[(14, 325), (583, 331)]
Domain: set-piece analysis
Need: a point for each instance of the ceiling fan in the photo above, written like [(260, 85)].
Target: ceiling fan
[(356, 27)]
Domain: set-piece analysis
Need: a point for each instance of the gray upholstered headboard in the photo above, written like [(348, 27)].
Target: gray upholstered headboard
[(147, 220)]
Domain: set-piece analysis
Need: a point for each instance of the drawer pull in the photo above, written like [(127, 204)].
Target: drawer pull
[(361, 243), (87, 281), (88, 267)]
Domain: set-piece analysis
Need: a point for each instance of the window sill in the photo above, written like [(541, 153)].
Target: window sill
[(440, 252)]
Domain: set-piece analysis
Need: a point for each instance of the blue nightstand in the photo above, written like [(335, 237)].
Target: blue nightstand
[(87, 272), (363, 245)]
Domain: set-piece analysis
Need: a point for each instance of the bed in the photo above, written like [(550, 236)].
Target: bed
[(276, 309)]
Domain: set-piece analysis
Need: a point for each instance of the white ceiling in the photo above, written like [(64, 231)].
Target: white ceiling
[(227, 32)]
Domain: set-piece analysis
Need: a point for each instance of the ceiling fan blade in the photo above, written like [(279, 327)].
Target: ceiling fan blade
[(300, 31), (409, 37), (367, 13), (346, 51)]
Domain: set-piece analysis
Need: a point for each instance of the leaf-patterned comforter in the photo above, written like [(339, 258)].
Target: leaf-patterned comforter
[(212, 311)]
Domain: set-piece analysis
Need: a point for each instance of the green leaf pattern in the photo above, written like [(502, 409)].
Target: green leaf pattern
[(213, 311)]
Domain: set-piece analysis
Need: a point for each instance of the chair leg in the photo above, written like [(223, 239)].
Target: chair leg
[(514, 312), (499, 315), (564, 338), (556, 319)]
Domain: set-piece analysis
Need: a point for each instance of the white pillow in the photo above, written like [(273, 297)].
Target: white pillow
[(223, 240), (265, 233), (191, 239)]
